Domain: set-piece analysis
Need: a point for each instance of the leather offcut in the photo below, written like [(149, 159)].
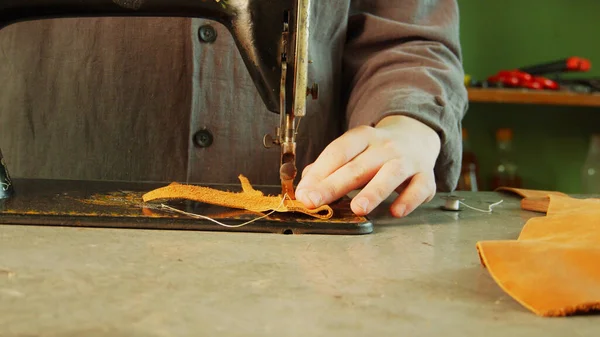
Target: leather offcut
[(525, 193), (553, 268), (249, 199), (533, 200)]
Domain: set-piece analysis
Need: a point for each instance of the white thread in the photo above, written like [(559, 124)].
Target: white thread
[(453, 204), (220, 223), (5, 186), (481, 210)]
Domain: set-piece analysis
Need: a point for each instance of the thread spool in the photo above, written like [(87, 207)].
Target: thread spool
[(452, 203)]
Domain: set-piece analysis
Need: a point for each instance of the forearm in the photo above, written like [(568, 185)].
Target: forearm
[(404, 59)]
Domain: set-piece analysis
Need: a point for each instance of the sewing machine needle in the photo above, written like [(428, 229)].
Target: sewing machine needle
[(288, 173)]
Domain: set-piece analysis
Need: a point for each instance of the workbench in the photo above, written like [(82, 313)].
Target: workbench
[(417, 276)]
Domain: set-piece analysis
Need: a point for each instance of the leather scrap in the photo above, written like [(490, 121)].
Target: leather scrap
[(536, 204), (526, 193), (249, 199), (533, 200), (553, 268)]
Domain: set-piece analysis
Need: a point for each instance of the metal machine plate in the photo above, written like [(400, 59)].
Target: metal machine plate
[(119, 205)]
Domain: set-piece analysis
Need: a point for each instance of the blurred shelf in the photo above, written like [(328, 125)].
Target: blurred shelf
[(525, 96)]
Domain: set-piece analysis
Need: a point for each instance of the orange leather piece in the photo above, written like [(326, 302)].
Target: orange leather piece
[(249, 199), (533, 200), (536, 204), (525, 193), (553, 268), (566, 204)]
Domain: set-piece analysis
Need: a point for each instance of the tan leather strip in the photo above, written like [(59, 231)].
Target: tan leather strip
[(249, 199)]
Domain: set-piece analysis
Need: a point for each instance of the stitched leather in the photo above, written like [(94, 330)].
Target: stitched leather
[(249, 199)]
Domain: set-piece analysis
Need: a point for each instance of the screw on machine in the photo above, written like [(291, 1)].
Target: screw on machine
[(6, 186), (207, 34)]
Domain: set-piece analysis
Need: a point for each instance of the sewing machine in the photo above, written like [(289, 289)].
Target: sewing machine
[(273, 40)]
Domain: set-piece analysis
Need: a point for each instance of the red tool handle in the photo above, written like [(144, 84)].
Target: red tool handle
[(520, 79), (570, 64)]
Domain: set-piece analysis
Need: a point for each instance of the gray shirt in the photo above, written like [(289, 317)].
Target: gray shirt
[(121, 98)]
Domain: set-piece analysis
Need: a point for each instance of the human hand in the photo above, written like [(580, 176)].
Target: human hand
[(398, 154)]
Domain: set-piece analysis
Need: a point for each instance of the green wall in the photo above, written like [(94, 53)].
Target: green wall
[(550, 142)]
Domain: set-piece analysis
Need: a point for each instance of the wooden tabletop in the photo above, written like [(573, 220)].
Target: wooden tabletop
[(525, 96)]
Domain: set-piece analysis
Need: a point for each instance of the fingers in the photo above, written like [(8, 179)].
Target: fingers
[(338, 153), (391, 175), (402, 186), (349, 177), (421, 189), (378, 158), (306, 169)]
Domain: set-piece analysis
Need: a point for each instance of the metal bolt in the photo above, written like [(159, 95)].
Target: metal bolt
[(268, 141), (6, 187), (207, 34), (203, 138)]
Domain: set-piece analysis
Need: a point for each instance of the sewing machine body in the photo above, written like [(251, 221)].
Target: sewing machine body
[(272, 38), (258, 40)]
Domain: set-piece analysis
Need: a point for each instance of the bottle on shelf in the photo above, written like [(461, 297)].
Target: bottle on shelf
[(590, 172), (505, 173), (469, 173)]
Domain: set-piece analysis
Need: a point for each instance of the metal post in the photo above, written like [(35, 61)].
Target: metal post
[(6, 186)]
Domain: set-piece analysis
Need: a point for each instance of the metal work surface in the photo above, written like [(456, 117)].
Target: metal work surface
[(419, 276)]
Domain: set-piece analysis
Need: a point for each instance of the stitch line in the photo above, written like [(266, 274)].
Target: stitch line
[(163, 206)]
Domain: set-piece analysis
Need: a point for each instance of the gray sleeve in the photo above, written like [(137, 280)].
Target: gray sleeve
[(404, 58)]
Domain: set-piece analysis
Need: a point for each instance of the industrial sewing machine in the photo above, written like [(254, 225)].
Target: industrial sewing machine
[(273, 39)]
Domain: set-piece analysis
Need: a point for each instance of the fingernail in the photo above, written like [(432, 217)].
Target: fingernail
[(363, 203), (303, 197), (400, 210), (315, 198)]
